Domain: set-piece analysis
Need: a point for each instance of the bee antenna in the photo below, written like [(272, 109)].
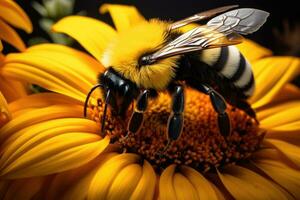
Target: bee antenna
[(88, 97), (104, 112)]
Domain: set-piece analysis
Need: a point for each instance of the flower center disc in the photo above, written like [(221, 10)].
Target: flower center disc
[(200, 145)]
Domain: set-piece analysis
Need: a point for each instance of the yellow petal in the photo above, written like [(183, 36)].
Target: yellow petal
[(253, 51), (57, 154), (123, 16), (55, 67), (5, 114), (166, 187), (289, 136), (273, 74), (281, 115), (11, 89), (146, 186), (38, 115), (92, 34), (244, 184), (25, 139), (202, 185), (39, 100), (80, 179), (183, 188), (13, 14), (125, 182), (10, 36), (281, 173), (105, 176), (288, 93), (292, 152), (24, 189)]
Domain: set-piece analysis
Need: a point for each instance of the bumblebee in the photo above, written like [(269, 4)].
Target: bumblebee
[(156, 56)]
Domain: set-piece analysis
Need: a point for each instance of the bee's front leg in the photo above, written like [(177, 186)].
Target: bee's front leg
[(137, 117), (175, 121)]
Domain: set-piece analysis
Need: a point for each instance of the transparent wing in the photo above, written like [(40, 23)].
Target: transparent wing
[(201, 16), (222, 30)]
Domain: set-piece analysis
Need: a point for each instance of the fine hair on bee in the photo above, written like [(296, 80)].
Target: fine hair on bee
[(155, 56)]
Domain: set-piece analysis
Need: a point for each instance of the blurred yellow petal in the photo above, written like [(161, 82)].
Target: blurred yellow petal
[(281, 173), (253, 51), (289, 136), (25, 189), (56, 154), (11, 89), (123, 16), (10, 36), (80, 179), (284, 114), (92, 34), (273, 74), (1, 46), (14, 14), (183, 188), (38, 115), (5, 114), (202, 185), (292, 152), (244, 184), (166, 187), (106, 175), (55, 67), (146, 186), (289, 92)]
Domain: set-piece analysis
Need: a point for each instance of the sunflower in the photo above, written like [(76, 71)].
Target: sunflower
[(11, 13), (48, 151)]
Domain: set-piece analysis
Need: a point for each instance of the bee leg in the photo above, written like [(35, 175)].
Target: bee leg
[(137, 117), (219, 106), (175, 121)]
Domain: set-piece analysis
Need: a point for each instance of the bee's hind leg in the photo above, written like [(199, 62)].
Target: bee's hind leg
[(219, 106), (175, 121)]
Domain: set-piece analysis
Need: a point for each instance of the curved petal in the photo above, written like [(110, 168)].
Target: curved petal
[(11, 89), (244, 184), (292, 137), (13, 14), (289, 92), (108, 174), (34, 116), (183, 188), (5, 114), (204, 188), (166, 187), (253, 51), (281, 173), (10, 36), (271, 75), (39, 100), (56, 154), (55, 67), (292, 152), (281, 116), (24, 189), (92, 34), (81, 184), (123, 16), (146, 187)]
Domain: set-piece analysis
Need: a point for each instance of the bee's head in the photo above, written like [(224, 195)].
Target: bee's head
[(127, 54)]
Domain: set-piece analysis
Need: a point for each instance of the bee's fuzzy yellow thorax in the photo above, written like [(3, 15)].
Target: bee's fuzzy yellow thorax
[(125, 51)]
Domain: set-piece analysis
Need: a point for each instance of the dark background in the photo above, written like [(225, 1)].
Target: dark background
[(284, 18), (280, 11)]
